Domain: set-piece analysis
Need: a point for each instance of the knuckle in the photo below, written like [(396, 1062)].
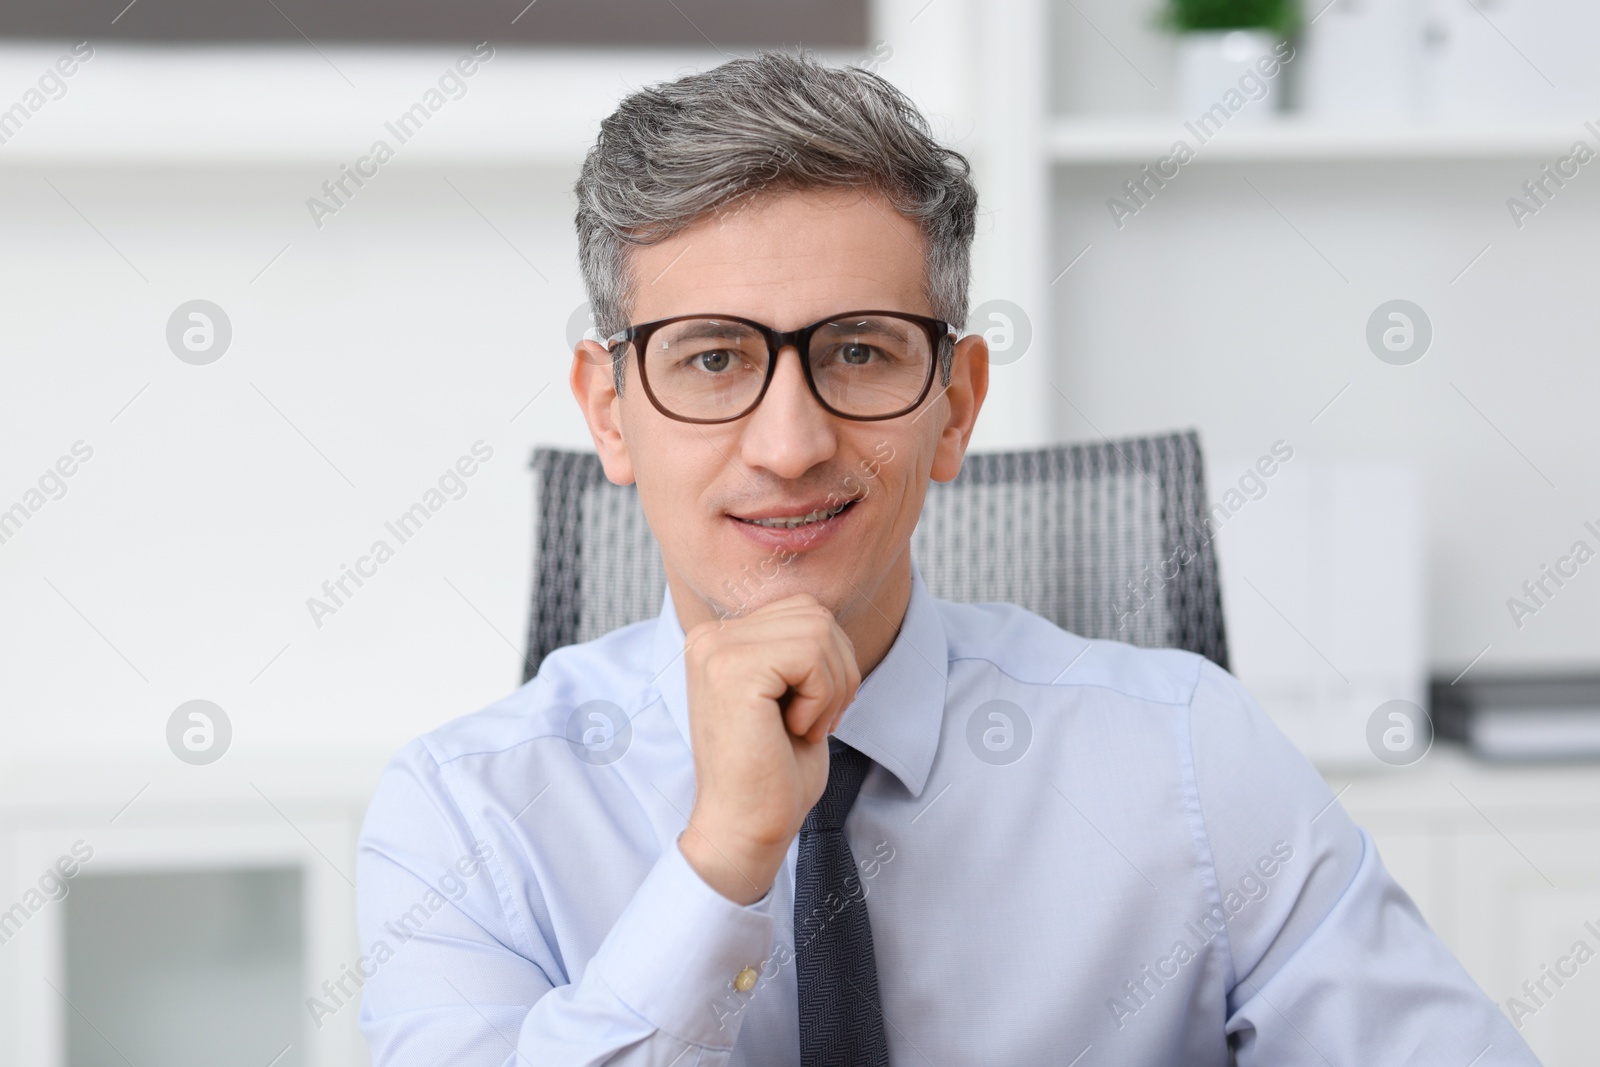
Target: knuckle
[(717, 665), (708, 657), (702, 632)]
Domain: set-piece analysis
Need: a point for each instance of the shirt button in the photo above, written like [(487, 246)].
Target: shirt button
[(745, 980)]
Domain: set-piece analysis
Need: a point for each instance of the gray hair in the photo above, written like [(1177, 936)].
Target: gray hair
[(672, 153)]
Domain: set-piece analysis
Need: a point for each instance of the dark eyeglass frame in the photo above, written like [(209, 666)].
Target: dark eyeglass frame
[(938, 331)]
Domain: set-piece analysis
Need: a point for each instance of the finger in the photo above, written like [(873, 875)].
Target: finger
[(846, 674), (812, 679), (850, 673), (807, 672), (788, 605), (817, 730), (852, 677), (847, 652), (820, 686)]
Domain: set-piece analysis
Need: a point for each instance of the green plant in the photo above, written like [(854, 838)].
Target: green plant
[(1279, 16)]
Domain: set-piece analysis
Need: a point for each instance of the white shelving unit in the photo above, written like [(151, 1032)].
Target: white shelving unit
[(1091, 141), (281, 107)]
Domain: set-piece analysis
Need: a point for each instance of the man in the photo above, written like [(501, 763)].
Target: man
[(753, 831)]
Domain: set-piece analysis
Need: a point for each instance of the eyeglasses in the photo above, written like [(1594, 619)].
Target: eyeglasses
[(864, 365)]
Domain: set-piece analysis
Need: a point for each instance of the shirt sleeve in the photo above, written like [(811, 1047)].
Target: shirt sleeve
[(1331, 962), (455, 973)]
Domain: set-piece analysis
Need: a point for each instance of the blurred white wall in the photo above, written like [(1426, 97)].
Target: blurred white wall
[(364, 362), (1209, 307)]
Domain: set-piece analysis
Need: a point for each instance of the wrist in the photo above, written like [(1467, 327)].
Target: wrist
[(741, 872)]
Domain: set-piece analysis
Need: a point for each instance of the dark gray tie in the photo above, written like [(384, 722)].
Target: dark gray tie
[(841, 1022)]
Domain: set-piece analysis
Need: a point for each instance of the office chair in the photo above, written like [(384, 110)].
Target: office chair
[(1107, 539)]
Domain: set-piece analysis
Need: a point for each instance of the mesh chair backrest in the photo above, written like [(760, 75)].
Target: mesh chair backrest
[(1105, 540)]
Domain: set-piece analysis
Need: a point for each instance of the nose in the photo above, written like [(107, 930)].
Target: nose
[(789, 432)]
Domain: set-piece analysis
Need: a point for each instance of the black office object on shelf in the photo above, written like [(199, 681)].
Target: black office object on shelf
[(1526, 717)]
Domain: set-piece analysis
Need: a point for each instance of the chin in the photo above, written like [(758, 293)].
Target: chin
[(734, 595)]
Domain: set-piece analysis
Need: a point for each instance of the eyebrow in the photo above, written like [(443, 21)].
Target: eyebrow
[(893, 328), (708, 330)]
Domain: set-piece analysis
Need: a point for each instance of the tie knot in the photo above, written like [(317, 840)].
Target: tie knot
[(846, 770)]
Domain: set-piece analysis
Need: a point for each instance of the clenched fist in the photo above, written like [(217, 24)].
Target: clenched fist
[(765, 690)]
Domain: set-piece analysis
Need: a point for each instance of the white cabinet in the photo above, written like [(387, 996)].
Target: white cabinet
[(1504, 863), (159, 945)]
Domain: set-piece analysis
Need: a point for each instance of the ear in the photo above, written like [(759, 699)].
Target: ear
[(596, 392), (969, 384)]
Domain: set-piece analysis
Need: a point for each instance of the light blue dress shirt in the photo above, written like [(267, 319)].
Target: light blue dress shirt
[(1072, 852)]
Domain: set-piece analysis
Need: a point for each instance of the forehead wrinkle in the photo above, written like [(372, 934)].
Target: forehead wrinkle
[(756, 263)]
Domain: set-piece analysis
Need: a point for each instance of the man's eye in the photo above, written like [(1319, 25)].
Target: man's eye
[(718, 359), (856, 354)]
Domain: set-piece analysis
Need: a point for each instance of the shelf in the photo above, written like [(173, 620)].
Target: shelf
[(51, 787), (1136, 140), (283, 106), (298, 106)]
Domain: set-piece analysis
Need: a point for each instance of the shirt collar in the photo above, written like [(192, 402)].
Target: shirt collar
[(898, 710)]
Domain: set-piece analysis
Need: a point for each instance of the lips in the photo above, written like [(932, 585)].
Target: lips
[(786, 519)]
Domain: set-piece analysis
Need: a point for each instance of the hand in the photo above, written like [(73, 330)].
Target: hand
[(765, 691)]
